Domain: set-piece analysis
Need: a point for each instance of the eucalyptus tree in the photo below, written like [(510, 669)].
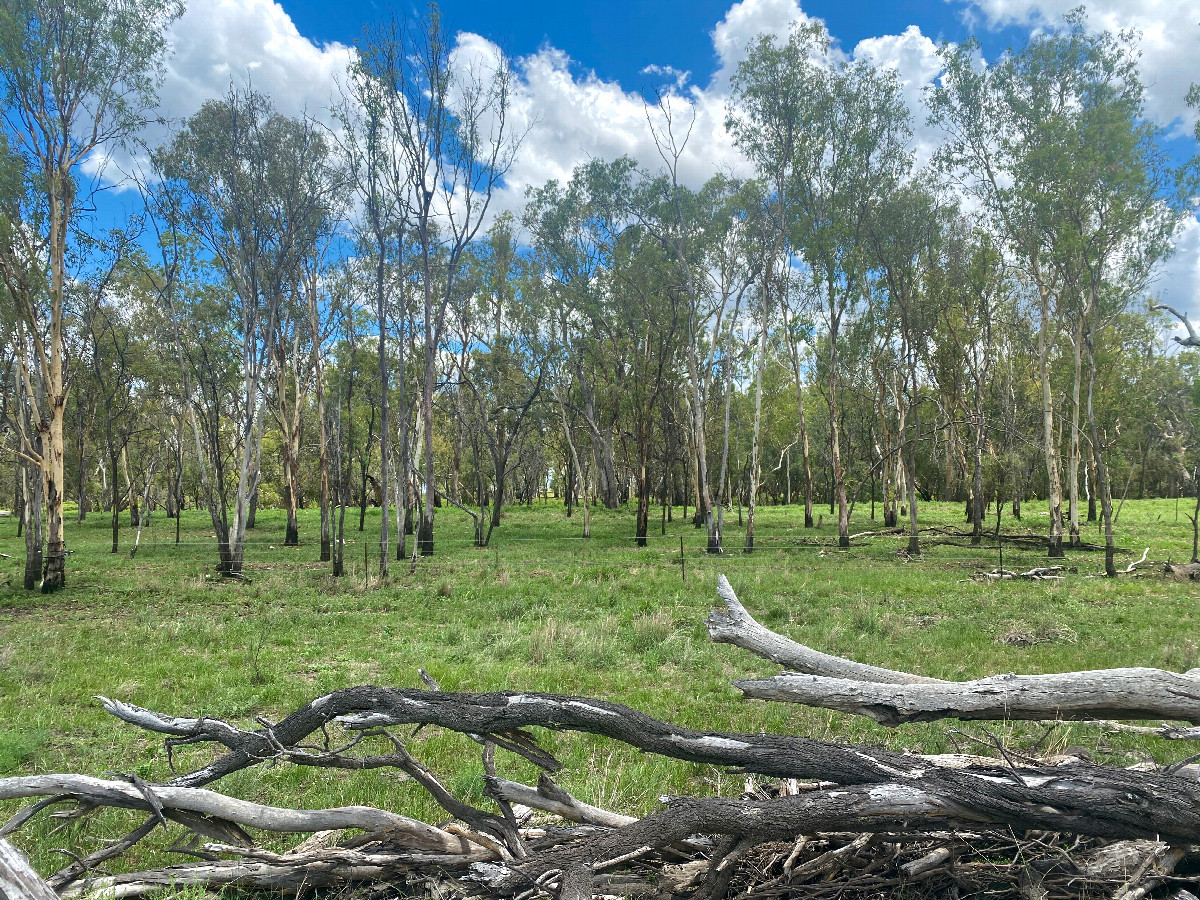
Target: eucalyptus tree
[(303, 323), (641, 326), (502, 361), (1116, 219), (974, 281), (22, 282), (245, 182), (376, 166), (115, 345), (575, 229), (1004, 124), (845, 143), (78, 78), (766, 116), (701, 231), (761, 238), (451, 126)]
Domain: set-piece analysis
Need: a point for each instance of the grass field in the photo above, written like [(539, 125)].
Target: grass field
[(542, 609)]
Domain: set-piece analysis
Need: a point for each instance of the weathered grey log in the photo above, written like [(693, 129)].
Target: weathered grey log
[(1082, 799), (736, 626), (18, 880), (407, 832), (1106, 693)]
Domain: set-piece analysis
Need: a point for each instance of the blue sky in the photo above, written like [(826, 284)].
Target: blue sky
[(618, 39), (583, 71)]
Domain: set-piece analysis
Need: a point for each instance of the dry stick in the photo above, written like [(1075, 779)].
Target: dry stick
[(100, 792), (1134, 565), (30, 811), (551, 798), (1162, 861)]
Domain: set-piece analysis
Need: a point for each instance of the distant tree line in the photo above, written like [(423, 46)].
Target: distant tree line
[(338, 316)]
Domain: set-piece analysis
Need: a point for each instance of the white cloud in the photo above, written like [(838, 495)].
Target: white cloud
[(219, 42), (1170, 34), (241, 42), (744, 22), (580, 117), (573, 118), (1178, 283), (914, 57)]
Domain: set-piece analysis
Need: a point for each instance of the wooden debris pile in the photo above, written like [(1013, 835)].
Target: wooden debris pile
[(816, 819)]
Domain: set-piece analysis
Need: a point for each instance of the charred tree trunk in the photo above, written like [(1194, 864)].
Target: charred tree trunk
[(32, 495), (642, 482)]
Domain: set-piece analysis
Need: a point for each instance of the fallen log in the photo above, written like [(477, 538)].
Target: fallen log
[(736, 626), (1107, 693), (875, 796), (1038, 573), (891, 697)]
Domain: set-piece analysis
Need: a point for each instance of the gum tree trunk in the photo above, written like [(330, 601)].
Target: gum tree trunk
[(755, 449), (1049, 443), (1073, 462)]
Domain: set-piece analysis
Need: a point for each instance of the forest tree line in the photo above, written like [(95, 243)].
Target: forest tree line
[(333, 312)]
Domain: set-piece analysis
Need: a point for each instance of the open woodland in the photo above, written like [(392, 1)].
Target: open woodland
[(407, 503)]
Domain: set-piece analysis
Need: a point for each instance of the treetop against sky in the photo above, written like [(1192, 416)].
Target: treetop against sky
[(584, 69)]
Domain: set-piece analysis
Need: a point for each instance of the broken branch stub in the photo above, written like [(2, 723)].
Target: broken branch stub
[(736, 626)]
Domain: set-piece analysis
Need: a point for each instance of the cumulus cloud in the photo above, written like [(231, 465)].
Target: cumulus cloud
[(572, 118), (914, 58), (1178, 283), (576, 117), (242, 43), (742, 24), (1170, 33), (220, 42)]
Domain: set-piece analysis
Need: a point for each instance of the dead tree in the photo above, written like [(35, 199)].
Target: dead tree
[(891, 697), (1192, 339)]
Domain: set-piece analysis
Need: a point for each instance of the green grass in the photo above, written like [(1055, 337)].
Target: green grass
[(541, 609)]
